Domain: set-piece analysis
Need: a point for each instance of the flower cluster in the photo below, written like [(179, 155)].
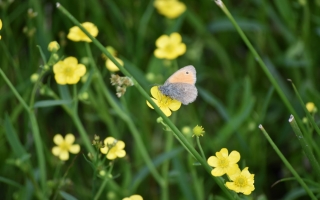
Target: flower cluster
[(165, 103), (121, 83), (113, 148), (224, 163)]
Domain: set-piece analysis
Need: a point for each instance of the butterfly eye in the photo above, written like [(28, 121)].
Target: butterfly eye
[(187, 72)]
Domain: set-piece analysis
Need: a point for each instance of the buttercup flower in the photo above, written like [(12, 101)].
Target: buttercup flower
[(198, 131), (75, 33), (68, 71), (133, 197), (169, 47), (170, 8), (165, 103), (113, 148), (242, 181), (311, 107), (223, 162), (64, 146), (53, 46)]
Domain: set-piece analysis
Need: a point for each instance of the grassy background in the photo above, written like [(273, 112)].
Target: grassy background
[(235, 96)]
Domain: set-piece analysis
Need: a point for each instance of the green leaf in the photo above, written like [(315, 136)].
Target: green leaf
[(48, 103), (67, 196)]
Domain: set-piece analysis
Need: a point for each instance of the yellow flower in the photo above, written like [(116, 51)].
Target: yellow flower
[(223, 162), (133, 197), (34, 77), (53, 46), (311, 107), (0, 27), (169, 47), (68, 71), (170, 8), (111, 66), (75, 33), (198, 131), (165, 103), (113, 148), (64, 146), (242, 181)]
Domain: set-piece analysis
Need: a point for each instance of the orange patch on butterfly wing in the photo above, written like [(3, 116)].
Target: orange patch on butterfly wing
[(184, 75)]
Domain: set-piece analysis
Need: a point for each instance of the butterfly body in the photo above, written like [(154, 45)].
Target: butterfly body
[(181, 85)]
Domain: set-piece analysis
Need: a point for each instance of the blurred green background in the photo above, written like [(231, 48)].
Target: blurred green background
[(235, 96)]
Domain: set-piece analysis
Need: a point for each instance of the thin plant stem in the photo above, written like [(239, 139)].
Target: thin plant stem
[(36, 135), (261, 63), (305, 146), (104, 183), (199, 145), (286, 162), (176, 131), (165, 166)]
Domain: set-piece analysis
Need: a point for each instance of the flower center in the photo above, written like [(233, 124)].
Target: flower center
[(241, 181), (68, 71), (223, 162), (64, 146), (169, 48), (164, 101)]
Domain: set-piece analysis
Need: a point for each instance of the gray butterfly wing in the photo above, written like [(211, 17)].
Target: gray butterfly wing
[(183, 92)]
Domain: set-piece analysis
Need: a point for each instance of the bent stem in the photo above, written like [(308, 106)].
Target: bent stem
[(178, 134), (288, 165), (200, 147)]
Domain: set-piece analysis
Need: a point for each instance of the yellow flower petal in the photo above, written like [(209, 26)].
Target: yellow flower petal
[(64, 155), (76, 34), (58, 139), (0, 24), (155, 92), (213, 161), (223, 153), (113, 67), (104, 150), (136, 197), (175, 105), (166, 111), (162, 41), (55, 150), (74, 149), (217, 171), (69, 138), (121, 153), (234, 157), (175, 38), (120, 144)]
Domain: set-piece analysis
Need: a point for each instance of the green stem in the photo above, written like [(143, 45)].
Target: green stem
[(199, 145), (165, 166), (288, 165), (181, 137), (305, 146), (104, 183), (261, 63), (35, 132)]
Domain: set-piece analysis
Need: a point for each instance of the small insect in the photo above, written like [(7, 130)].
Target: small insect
[(180, 85)]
